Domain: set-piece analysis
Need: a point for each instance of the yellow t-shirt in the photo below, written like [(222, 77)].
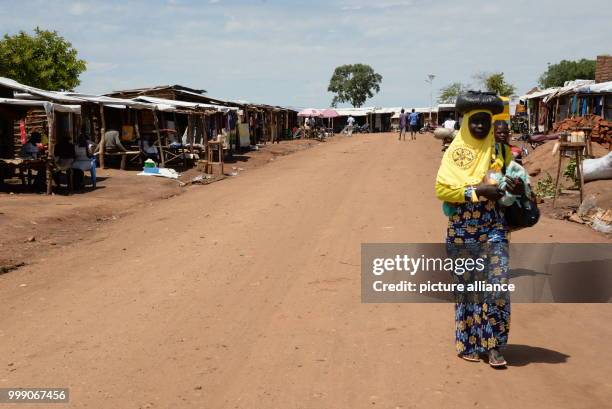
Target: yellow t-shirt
[(448, 194)]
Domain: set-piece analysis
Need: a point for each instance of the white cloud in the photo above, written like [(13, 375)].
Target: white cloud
[(284, 52)]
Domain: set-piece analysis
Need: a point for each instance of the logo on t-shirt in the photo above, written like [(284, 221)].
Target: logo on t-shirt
[(463, 157)]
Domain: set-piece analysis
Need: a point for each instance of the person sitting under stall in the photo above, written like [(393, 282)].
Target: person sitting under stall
[(82, 162), (63, 154), (149, 149), (30, 149)]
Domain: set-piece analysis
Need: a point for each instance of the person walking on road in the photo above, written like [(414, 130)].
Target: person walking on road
[(402, 125), (413, 120), (476, 225), (349, 125)]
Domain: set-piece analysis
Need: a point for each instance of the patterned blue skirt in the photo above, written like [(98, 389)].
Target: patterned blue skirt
[(481, 322)]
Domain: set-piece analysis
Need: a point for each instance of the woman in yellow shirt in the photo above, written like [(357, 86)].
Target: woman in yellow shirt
[(477, 224)]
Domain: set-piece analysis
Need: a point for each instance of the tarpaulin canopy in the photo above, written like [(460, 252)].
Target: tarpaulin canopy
[(539, 94), (329, 113), (570, 87), (310, 112), (164, 104), (354, 111), (111, 101), (48, 106), (596, 88), (386, 110), (48, 95)]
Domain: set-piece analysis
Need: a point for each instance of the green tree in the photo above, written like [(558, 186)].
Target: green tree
[(43, 60), (496, 83), (449, 93), (557, 74), (354, 83)]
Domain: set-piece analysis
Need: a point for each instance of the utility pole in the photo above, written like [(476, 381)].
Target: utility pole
[(430, 79)]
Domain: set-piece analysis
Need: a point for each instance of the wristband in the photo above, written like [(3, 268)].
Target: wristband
[(470, 194)]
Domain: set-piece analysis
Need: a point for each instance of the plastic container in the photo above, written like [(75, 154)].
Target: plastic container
[(151, 170)]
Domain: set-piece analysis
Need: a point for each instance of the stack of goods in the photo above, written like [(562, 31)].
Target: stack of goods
[(601, 129)]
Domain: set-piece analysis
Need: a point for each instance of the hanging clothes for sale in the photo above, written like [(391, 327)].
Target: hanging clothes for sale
[(597, 105), (574, 105), (22, 131)]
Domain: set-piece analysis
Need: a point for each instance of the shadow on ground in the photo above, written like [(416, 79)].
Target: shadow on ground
[(522, 355)]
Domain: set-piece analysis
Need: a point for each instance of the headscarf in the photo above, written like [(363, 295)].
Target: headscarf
[(467, 159)]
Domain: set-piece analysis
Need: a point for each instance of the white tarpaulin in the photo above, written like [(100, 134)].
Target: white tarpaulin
[(354, 111), (48, 106), (111, 101), (596, 88), (164, 104), (49, 95), (570, 87), (539, 94)]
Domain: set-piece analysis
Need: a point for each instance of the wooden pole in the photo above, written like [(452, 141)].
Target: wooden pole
[(190, 136), (136, 126), (161, 151), (205, 141), (176, 127), (71, 126), (50, 150), (137, 133), (102, 132)]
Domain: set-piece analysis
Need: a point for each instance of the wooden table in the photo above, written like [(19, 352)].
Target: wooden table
[(568, 147), (175, 153), (124, 156), (587, 138), (22, 165)]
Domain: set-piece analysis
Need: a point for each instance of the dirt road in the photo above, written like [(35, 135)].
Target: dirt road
[(246, 294)]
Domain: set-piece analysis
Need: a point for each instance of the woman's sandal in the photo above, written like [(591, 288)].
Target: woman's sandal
[(496, 359), (470, 357)]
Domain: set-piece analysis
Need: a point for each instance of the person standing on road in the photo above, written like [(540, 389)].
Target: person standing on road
[(402, 125), (349, 125), (476, 224), (413, 119), (309, 125)]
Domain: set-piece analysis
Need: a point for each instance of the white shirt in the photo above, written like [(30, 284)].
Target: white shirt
[(450, 124), (150, 149), (350, 120)]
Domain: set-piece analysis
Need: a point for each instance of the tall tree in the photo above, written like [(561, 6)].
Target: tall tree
[(496, 83), (354, 83), (557, 74), (44, 60), (449, 93)]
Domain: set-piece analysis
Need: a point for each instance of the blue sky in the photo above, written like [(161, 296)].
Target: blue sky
[(284, 52)]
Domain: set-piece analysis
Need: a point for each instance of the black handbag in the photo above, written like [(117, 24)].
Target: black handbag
[(524, 211)]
